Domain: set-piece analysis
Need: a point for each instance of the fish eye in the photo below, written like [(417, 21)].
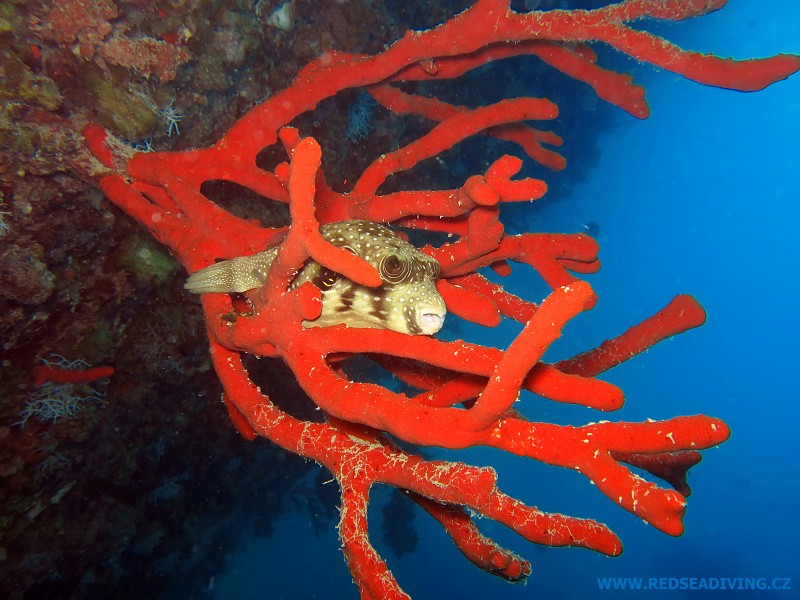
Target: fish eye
[(393, 268), (392, 265)]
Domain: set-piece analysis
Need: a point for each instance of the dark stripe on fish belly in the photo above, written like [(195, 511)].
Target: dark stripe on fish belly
[(346, 299), (411, 323), (379, 308)]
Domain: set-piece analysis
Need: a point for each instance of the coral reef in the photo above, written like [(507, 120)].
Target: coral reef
[(465, 393), (81, 512), (77, 280)]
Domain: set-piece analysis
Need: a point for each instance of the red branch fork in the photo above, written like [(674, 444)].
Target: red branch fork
[(468, 390)]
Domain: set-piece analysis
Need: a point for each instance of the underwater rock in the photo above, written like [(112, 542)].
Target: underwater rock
[(24, 277)]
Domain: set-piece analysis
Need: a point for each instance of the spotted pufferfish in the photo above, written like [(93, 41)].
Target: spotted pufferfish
[(406, 302)]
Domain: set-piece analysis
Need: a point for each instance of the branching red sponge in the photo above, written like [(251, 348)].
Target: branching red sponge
[(468, 390)]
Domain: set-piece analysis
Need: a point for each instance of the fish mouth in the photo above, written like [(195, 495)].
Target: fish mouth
[(430, 320)]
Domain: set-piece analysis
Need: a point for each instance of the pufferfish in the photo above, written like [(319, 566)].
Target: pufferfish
[(407, 301)]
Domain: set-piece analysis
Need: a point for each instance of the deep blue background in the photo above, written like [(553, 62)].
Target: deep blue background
[(701, 198)]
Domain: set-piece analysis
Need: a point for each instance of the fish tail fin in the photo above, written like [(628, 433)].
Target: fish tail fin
[(235, 275)]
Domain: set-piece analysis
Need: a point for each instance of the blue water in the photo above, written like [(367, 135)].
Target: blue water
[(701, 198)]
